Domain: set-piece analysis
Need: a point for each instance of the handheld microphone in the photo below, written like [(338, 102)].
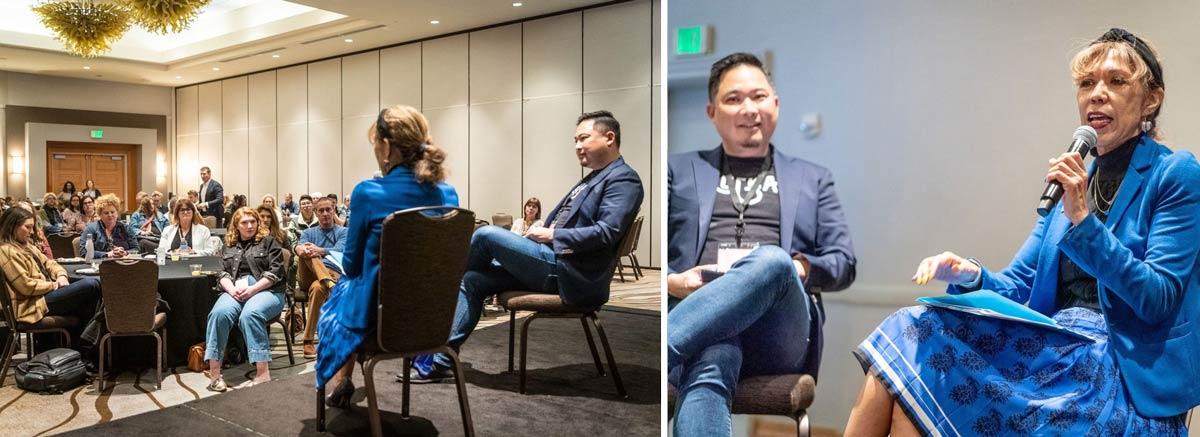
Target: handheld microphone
[(1082, 143)]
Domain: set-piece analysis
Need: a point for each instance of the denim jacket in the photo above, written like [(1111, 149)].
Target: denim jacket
[(122, 236), (264, 257)]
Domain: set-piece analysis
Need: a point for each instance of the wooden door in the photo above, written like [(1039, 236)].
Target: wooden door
[(113, 167)]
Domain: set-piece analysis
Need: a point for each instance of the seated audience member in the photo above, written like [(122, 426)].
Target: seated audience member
[(90, 189), (759, 317), (68, 190), (51, 217), (315, 273), (74, 207), (37, 285), (137, 198), (186, 229), (251, 282), (1114, 264), (148, 224), (269, 202), (110, 237), (579, 247), (414, 176), (304, 219), (156, 199), (193, 196), (39, 237), (288, 206), (87, 214), (531, 217)]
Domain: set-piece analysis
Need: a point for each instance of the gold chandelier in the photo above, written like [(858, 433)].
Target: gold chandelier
[(163, 16), (88, 28)]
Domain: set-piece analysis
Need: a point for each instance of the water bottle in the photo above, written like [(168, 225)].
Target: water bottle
[(183, 245), (161, 256), (89, 250)]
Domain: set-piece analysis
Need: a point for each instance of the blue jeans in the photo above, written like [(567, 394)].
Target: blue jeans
[(754, 320), (77, 299), (251, 315), (499, 261)]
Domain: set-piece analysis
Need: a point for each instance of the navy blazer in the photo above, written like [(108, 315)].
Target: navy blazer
[(586, 247), (215, 199), (811, 221), (1143, 258)]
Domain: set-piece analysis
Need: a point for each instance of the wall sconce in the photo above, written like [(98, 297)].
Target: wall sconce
[(16, 164), (161, 169)]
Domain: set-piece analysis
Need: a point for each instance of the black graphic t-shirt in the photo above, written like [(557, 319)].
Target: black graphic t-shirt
[(762, 213)]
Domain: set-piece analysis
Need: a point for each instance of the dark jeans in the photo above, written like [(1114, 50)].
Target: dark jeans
[(78, 299), (754, 320), (499, 261)]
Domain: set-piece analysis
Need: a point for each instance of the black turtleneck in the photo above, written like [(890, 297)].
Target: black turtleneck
[(1076, 288)]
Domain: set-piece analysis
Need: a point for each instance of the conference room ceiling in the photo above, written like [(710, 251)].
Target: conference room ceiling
[(233, 37)]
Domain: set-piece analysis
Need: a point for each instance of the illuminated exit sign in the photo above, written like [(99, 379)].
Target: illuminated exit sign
[(692, 40), (97, 134)]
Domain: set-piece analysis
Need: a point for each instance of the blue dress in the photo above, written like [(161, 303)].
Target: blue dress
[(348, 315)]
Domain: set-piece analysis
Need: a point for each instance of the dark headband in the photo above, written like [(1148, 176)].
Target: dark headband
[(1117, 34)]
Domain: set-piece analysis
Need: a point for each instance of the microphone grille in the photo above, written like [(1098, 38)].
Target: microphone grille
[(1086, 134)]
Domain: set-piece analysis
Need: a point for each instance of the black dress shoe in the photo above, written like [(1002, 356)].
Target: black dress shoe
[(435, 376), (340, 398)]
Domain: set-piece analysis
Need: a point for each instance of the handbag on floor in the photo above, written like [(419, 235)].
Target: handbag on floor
[(195, 357), (53, 371)]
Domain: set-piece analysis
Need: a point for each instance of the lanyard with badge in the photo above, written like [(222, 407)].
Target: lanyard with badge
[(729, 253)]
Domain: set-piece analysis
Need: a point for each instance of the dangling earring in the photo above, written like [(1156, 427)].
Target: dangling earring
[(1147, 125)]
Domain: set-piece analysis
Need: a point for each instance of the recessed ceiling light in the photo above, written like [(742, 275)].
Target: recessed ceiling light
[(348, 40), (216, 68), (87, 67), (518, 4), (434, 21), (274, 56)]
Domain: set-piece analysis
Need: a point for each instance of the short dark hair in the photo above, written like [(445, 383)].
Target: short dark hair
[(332, 196), (304, 197), (727, 63), (206, 169), (604, 122), (327, 198)]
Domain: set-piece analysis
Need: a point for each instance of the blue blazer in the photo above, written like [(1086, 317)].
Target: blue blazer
[(1143, 259), (586, 247), (811, 220), (215, 199)]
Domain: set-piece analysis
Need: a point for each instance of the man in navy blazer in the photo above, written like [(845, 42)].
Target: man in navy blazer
[(572, 256), (734, 316), (212, 196)]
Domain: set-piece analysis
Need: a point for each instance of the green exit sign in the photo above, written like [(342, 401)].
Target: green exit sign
[(97, 134), (691, 40)]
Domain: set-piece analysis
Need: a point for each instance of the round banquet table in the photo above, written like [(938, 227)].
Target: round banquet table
[(190, 298)]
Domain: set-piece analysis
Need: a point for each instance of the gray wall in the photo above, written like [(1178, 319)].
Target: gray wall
[(501, 101), (938, 120)]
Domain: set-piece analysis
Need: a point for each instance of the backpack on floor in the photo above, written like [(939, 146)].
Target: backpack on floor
[(53, 371)]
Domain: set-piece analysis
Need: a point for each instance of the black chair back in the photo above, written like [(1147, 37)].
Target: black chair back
[(60, 245), (130, 290)]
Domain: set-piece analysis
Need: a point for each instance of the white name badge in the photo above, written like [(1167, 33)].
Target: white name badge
[(730, 253)]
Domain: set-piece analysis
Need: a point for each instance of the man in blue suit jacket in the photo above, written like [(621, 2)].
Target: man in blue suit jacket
[(755, 317), (573, 255), (212, 196)]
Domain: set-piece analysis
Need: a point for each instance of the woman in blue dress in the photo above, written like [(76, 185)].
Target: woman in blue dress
[(1115, 262), (413, 176)]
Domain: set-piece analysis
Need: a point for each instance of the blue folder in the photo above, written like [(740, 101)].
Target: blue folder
[(987, 303)]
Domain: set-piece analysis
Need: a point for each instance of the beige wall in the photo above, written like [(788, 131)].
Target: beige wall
[(501, 101)]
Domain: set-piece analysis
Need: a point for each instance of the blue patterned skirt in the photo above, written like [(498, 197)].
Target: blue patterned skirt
[(955, 373)]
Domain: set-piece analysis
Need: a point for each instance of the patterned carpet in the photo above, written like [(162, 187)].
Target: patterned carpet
[(130, 393)]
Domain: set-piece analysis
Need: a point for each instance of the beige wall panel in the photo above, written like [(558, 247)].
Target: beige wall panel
[(616, 59), (262, 100), (400, 76), (655, 44), (358, 159), (234, 103), (496, 158), (631, 107), (187, 172), (208, 153), (360, 84), (325, 90), (444, 72), (325, 156), (209, 109), (187, 103), (235, 161), (549, 166), (292, 146), (449, 127), (655, 191), (496, 65), (291, 88), (263, 164), (553, 50)]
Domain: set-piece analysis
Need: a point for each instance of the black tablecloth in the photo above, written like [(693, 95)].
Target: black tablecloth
[(190, 297)]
